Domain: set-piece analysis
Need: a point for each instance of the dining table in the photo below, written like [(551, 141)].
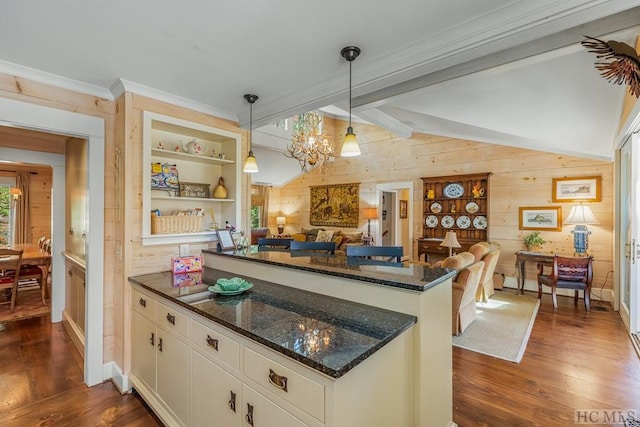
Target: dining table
[(33, 254)]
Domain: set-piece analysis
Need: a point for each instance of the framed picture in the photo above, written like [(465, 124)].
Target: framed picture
[(194, 189), (577, 189), (335, 205), (403, 208), (225, 240), (548, 218)]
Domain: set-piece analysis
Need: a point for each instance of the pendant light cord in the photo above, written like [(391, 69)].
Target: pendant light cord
[(250, 126), (350, 93)]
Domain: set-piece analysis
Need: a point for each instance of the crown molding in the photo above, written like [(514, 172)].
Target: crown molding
[(32, 74), (510, 27), (121, 86)]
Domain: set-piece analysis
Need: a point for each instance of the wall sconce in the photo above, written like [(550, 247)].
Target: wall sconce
[(281, 221), (580, 216), (450, 241), (15, 194), (369, 214)]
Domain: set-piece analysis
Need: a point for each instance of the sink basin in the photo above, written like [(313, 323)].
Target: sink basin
[(193, 299)]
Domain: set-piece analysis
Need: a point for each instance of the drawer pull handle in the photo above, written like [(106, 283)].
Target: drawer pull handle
[(143, 302), (249, 416), (278, 380), (212, 342), (171, 319), (152, 339), (160, 344), (232, 402)]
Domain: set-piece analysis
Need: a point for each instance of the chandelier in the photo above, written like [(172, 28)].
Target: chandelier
[(310, 145)]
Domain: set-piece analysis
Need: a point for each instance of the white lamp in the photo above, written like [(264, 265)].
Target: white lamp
[(350, 147), (450, 241), (580, 216), (250, 164), (281, 221)]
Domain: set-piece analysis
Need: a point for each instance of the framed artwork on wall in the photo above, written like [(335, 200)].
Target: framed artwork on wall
[(403, 208), (577, 189), (548, 218), (335, 205)]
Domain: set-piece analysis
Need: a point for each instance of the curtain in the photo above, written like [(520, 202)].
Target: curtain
[(23, 209), (260, 198)]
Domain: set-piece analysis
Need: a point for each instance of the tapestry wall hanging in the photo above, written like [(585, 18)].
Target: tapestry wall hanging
[(335, 205)]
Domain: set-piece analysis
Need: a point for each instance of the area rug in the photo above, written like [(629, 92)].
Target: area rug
[(28, 305), (502, 328)]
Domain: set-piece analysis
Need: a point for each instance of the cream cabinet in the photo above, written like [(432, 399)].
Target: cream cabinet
[(160, 365), (73, 316), (233, 381), (197, 157)]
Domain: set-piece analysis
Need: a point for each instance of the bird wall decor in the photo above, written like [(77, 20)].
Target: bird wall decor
[(617, 62)]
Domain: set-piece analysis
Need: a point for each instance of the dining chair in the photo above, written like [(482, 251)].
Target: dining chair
[(392, 253), (10, 265), (568, 273), (311, 247), (266, 243)]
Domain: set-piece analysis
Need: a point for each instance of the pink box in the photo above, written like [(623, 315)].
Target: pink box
[(186, 264)]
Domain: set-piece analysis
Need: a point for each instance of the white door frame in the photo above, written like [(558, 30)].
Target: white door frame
[(46, 119), (394, 187)]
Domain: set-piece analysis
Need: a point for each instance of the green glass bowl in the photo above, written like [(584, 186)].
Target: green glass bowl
[(232, 284)]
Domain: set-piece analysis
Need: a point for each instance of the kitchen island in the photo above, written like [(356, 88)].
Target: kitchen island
[(413, 289)]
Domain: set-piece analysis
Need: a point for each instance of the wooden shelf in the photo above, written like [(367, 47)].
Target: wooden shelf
[(190, 157)]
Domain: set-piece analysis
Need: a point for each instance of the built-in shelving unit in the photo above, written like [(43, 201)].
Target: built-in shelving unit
[(166, 141)]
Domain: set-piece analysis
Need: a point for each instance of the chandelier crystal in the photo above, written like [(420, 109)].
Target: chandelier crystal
[(310, 145)]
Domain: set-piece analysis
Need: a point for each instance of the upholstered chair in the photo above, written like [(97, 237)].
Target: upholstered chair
[(464, 289), (568, 273), (482, 251)]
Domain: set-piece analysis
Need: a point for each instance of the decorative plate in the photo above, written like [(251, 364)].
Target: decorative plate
[(480, 222), (463, 221), (472, 207), (431, 221), (245, 287), (448, 221), (436, 207), (453, 190)]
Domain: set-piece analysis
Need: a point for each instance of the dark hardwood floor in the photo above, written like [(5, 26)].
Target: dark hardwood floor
[(574, 360), (41, 383)]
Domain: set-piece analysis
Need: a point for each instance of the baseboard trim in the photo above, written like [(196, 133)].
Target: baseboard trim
[(111, 371), (597, 294)]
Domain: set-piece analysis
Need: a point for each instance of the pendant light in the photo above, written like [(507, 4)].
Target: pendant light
[(350, 146), (250, 165)]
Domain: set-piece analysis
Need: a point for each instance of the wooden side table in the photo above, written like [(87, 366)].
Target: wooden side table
[(536, 257)]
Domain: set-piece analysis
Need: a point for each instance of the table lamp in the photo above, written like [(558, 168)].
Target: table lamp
[(280, 222), (450, 241), (580, 216), (369, 214)]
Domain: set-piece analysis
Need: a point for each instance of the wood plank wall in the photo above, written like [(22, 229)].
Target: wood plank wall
[(520, 178), (150, 258), (20, 89)]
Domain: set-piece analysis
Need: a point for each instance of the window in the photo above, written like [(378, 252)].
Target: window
[(7, 220), (255, 216)]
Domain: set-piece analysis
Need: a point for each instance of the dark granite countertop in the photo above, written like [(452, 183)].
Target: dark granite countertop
[(411, 276), (327, 334)]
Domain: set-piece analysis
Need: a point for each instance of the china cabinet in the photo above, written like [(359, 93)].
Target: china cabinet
[(183, 164), (458, 203)]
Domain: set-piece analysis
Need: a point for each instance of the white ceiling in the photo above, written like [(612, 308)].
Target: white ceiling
[(506, 72)]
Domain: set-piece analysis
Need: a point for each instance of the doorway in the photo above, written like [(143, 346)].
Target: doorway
[(396, 223), (40, 118)]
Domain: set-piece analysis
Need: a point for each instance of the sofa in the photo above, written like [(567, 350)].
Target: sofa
[(465, 285), (340, 237), (484, 251), (257, 233)]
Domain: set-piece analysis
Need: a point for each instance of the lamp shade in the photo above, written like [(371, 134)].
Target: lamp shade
[(15, 192), (581, 214), (451, 240), (370, 213), (350, 147), (280, 220), (250, 164)]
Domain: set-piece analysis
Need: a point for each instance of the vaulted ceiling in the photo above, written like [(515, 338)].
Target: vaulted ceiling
[(504, 72)]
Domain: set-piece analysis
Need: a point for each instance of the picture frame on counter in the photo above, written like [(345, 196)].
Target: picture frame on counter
[(225, 240), (547, 218), (577, 189)]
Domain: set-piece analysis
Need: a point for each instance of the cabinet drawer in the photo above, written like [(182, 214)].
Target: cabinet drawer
[(301, 391), (143, 304), (172, 320), (215, 344)]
